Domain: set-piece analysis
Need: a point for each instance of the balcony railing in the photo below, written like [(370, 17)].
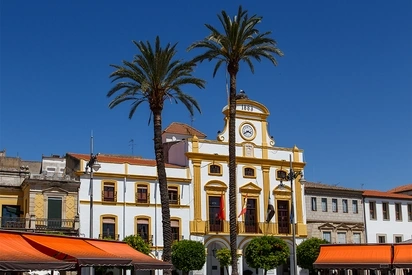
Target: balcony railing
[(143, 199), (40, 224), (106, 198), (223, 227), (106, 236)]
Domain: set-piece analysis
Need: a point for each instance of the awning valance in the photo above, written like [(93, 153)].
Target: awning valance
[(368, 256), (76, 250), (402, 255), (140, 261), (16, 254)]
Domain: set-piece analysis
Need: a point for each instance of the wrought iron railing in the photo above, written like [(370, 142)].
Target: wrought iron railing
[(106, 198), (144, 199), (108, 236), (40, 224)]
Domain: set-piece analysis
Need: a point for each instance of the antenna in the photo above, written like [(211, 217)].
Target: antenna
[(132, 144)]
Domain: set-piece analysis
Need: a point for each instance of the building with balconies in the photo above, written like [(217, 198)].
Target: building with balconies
[(126, 198), (37, 196)]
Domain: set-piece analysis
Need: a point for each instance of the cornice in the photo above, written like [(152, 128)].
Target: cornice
[(240, 159), (134, 177)]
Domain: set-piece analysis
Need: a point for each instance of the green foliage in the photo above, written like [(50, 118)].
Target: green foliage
[(224, 257), (137, 243), (307, 252), (188, 255), (266, 252)]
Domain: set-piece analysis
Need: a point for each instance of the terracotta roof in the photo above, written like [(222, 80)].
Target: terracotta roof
[(121, 159), (319, 185), (183, 129), (380, 194), (402, 188)]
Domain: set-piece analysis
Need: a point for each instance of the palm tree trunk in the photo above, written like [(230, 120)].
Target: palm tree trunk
[(164, 194), (232, 171)]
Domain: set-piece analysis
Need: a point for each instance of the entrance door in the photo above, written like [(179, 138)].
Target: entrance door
[(250, 216), (54, 212), (283, 217), (215, 224)]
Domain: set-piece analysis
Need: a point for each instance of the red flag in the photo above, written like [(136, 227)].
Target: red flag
[(243, 211), (222, 212)]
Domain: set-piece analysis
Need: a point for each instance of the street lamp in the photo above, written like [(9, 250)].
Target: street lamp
[(290, 177), (94, 166)]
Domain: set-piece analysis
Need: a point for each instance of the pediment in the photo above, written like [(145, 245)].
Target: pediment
[(250, 188), (326, 226), (342, 226), (358, 226), (215, 185), (54, 190), (284, 188)]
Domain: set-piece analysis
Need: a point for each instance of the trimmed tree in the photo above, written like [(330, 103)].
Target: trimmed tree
[(224, 257), (307, 252), (239, 40), (267, 252), (136, 242), (188, 255)]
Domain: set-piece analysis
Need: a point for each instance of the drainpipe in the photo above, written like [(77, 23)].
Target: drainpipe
[(124, 207), (364, 220)]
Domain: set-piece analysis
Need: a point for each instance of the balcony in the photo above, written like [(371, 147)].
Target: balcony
[(223, 227), (109, 236), (142, 199), (109, 196), (41, 225)]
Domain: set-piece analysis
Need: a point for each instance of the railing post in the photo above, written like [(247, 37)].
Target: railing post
[(76, 224), (32, 221)]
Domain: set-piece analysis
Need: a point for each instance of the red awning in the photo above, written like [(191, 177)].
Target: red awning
[(75, 250), (140, 261), (365, 256), (16, 254), (402, 255)]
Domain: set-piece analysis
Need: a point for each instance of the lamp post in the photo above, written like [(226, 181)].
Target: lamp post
[(290, 177), (94, 166)]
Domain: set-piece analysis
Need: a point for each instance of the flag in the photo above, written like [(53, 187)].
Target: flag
[(292, 215), (243, 211), (271, 211), (222, 212)]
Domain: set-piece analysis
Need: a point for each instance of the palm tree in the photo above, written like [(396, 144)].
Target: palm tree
[(239, 41), (153, 77)]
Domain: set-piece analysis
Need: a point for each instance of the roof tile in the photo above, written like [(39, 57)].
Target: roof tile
[(122, 159), (380, 194), (402, 188), (183, 129)]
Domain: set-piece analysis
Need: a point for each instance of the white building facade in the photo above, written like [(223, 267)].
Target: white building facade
[(127, 200), (388, 217)]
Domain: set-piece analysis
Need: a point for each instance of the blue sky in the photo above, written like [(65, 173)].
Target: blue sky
[(342, 92)]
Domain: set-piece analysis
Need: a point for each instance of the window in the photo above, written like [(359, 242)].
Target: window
[(355, 207), (143, 229), (324, 205), (372, 210), (410, 212), (280, 174), (385, 211), (10, 215), (249, 172), (398, 238), (356, 237), (215, 169), (345, 206), (334, 205), (142, 196), (314, 206), (398, 211), (109, 193), (109, 228), (175, 230), (381, 239), (173, 195), (341, 237), (327, 236)]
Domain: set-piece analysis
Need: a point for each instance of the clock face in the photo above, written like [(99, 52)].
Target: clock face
[(247, 131)]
